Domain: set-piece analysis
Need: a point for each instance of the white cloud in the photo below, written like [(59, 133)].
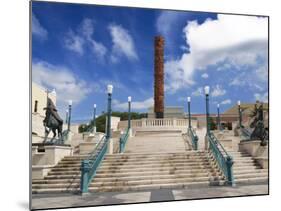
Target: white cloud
[(38, 29), (67, 85), (77, 42), (74, 42), (263, 97), (123, 43), (218, 91), (136, 105), (87, 28), (165, 20), (224, 102), (198, 92), (237, 40), (205, 75)]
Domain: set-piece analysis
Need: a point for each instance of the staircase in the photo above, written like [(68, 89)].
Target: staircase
[(245, 170), (142, 171), (64, 177)]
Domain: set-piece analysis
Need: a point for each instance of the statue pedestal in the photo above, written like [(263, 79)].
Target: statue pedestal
[(45, 156)]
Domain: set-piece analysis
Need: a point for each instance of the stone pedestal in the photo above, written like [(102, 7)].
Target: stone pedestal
[(258, 152), (44, 157), (50, 154), (87, 147), (110, 146)]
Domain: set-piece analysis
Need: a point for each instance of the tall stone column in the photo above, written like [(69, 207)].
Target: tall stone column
[(159, 77)]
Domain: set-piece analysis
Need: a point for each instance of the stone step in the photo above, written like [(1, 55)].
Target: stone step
[(255, 180), (150, 181), (149, 187), (149, 162), (55, 190), (56, 185), (250, 175), (56, 181), (71, 177), (246, 171), (154, 158), (155, 165), (64, 173), (152, 177), (140, 170), (104, 174), (156, 153)]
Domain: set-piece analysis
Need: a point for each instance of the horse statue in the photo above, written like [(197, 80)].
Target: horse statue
[(259, 131), (52, 121)]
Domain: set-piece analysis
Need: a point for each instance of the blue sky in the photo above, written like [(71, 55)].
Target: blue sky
[(79, 49)]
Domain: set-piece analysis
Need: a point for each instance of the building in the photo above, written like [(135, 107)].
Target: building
[(169, 112), (39, 102)]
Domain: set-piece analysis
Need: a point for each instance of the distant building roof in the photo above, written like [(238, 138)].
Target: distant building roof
[(246, 108)]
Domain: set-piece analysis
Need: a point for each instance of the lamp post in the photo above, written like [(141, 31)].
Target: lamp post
[(239, 113), (94, 118), (108, 126), (189, 118), (207, 90), (219, 118), (66, 116), (129, 112), (69, 114)]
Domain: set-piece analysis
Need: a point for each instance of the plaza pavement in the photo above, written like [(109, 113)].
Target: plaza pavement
[(44, 201)]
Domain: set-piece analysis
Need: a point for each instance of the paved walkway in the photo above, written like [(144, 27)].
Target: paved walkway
[(66, 200)]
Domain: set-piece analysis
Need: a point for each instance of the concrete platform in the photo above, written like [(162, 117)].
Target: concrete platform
[(44, 201)]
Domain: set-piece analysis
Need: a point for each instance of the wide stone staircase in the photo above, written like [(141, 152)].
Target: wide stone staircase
[(141, 171), (151, 161)]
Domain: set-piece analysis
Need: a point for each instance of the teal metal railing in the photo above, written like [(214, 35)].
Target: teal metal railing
[(223, 159), (90, 165), (194, 138), (123, 140)]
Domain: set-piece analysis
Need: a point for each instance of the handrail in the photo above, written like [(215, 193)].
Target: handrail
[(194, 138), (224, 160), (90, 165), (123, 140)]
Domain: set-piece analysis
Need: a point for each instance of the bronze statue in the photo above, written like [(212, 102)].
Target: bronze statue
[(259, 132), (52, 121)]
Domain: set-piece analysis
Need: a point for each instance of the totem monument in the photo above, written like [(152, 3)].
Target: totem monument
[(159, 77)]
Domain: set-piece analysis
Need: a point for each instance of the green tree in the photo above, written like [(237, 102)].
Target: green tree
[(101, 120)]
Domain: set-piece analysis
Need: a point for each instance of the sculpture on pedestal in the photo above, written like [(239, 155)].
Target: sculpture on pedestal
[(52, 121), (259, 131)]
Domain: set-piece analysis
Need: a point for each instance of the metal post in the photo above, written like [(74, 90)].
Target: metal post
[(219, 120), (84, 176), (66, 116), (240, 114), (94, 118), (189, 116), (108, 129), (129, 114), (229, 163), (69, 115), (207, 114)]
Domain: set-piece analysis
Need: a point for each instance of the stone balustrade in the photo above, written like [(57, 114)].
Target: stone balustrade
[(166, 123)]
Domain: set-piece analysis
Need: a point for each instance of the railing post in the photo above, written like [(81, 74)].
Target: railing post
[(108, 128), (239, 113), (229, 163), (94, 119), (207, 89), (84, 176), (195, 142), (219, 120)]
